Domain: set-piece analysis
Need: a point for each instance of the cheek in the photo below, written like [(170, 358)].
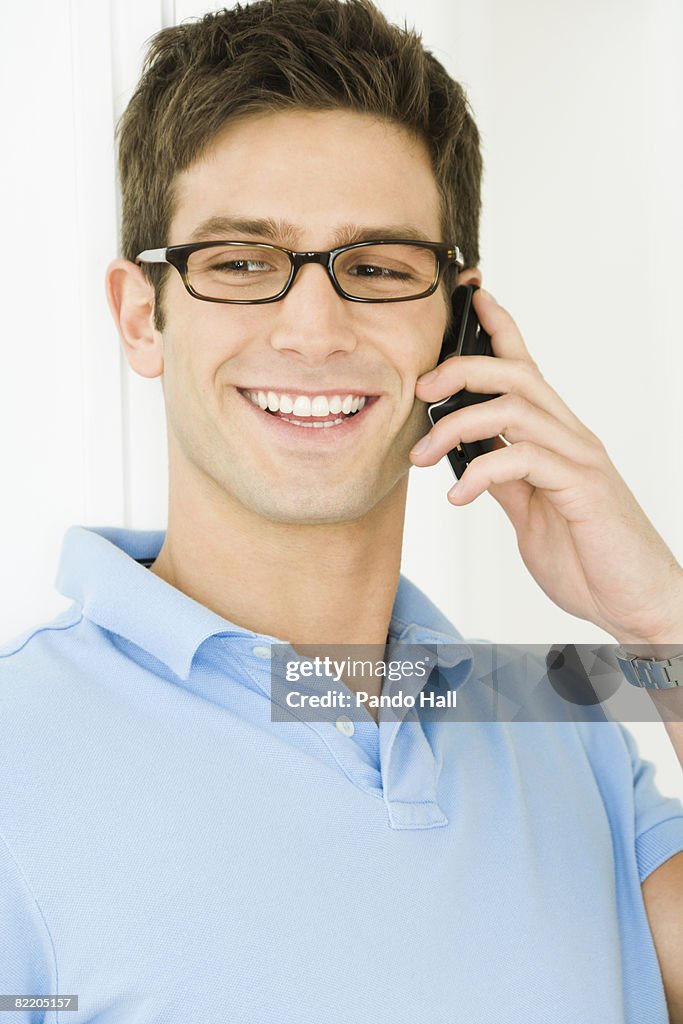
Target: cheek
[(432, 327), (187, 376), (202, 344), (426, 352), (416, 336)]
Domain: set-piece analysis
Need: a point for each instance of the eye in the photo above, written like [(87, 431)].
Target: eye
[(241, 266), (236, 261), (373, 270)]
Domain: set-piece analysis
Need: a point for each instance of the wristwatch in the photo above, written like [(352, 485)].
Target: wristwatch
[(652, 673)]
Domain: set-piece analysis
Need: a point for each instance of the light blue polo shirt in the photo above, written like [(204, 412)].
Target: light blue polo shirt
[(170, 854)]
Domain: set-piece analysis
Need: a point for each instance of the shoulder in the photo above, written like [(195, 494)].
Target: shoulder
[(29, 640), (38, 667)]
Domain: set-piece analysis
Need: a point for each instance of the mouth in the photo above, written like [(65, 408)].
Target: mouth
[(310, 423)]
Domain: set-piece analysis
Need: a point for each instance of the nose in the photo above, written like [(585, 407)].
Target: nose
[(312, 321)]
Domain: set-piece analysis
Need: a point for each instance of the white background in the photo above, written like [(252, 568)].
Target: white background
[(579, 106)]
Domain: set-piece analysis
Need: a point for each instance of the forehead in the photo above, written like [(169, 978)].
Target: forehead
[(314, 170)]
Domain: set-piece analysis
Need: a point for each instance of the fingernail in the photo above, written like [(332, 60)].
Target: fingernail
[(427, 377), (421, 446)]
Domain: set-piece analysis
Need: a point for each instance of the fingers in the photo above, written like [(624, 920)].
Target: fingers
[(506, 337), (562, 481), (511, 371), (517, 419), (547, 446)]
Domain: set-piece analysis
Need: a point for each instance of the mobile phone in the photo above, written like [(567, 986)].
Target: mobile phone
[(465, 338)]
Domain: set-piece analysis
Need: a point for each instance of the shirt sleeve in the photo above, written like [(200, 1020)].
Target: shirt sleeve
[(658, 818), (27, 964)]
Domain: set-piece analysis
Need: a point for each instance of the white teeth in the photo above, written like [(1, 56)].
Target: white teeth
[(320, 406), (320, 423), (303, 405)]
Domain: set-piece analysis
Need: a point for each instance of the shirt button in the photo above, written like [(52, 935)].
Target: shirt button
[(345, 725), (260, 651)]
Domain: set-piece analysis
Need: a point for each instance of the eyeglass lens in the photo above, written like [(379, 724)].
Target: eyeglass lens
[(251, 272)]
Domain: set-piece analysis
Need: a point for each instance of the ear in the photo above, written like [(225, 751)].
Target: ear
[(131, 301), (471, 275)]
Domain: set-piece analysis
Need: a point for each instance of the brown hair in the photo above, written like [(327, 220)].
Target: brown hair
[(275, 55)]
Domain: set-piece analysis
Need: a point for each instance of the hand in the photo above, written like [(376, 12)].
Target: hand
[(581, 532)]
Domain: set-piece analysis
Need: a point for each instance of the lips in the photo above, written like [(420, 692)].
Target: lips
[(310, 430)]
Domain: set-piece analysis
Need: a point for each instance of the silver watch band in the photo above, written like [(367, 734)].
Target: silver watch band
[(652, 673)]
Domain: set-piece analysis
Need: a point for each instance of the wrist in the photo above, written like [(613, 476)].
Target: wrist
[(665, 639), (661, 670), (653, 649)]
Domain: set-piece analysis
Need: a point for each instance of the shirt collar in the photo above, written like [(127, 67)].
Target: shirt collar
[(103, 570)]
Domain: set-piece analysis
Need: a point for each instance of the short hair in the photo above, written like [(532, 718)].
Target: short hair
[(275, 55)]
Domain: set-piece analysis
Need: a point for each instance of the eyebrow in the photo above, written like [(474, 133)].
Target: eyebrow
[(282, 232)]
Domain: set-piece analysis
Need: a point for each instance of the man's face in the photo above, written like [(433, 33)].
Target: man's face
[(317, 172)]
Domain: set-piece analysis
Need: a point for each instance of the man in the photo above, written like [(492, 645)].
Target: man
[(171, 853)]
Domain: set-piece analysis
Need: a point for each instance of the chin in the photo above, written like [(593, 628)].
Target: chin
[(311, 512), (313, 505)]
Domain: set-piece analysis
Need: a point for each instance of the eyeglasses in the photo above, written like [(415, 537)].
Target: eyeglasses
[(251, 272)]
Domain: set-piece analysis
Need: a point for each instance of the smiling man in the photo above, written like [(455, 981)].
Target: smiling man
[(300, 513), (300, 197)]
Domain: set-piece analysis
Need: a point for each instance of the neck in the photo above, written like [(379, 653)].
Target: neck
[(302, 583)]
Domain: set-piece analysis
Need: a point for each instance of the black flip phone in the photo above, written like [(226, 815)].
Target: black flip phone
[(465, 338)]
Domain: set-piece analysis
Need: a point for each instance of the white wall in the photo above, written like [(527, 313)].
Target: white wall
[(579, 106)]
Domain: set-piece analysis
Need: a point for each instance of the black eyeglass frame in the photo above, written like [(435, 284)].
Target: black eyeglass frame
[(178, 255)]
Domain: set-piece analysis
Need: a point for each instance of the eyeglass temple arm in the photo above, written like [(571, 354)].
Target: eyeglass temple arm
[(459, 259), (152, 256)]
